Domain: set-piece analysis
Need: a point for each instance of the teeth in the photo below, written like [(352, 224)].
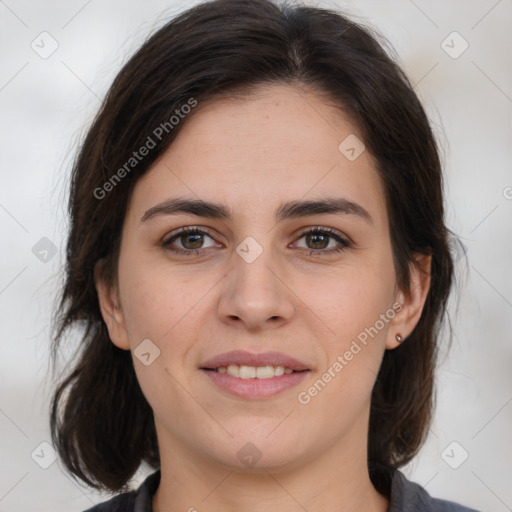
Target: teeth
[(265, 372), (252, 372), (246, 372)]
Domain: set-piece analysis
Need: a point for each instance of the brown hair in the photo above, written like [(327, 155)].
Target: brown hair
[(101, 424)]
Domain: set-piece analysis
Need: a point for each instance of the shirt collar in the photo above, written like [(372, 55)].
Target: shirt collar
[(404, 494)]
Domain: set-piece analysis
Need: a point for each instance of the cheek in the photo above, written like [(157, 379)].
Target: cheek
[(148, 310), (155, 309), (354, 346), (350, 301), (164, 305), (354, 337), (152, 298)]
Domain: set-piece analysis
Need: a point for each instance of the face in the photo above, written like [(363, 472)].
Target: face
[(309, 289)]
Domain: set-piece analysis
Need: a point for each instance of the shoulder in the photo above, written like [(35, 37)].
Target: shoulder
[(133, 501), (124, 502), (407, 496)]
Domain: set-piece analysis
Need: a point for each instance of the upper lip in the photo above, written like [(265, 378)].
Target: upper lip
[(241, 357)]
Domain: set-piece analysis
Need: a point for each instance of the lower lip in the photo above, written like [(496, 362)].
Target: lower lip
[(255, 388)]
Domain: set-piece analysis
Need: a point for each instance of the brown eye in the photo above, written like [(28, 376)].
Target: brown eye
[(318, 240), (191, 240), (188, 241)]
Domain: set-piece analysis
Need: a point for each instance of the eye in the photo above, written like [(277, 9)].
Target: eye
[(191, 240), (318, 240)]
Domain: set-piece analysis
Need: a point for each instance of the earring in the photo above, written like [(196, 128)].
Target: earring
[(399, 338)]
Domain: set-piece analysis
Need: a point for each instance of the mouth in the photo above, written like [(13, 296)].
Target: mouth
[(254, 376), (253, 372)]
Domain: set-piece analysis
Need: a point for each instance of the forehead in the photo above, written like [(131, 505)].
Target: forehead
[(279, 143)]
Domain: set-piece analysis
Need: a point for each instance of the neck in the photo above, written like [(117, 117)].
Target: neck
[(337, 481)]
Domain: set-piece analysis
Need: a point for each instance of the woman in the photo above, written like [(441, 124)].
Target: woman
[(259, 262)]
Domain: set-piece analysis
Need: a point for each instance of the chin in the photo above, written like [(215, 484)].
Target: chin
[(258, 446)]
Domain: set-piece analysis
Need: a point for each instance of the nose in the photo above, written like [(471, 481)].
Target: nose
[(256, 294)]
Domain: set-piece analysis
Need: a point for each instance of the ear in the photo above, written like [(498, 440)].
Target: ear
[(412, 301), (111, 311)]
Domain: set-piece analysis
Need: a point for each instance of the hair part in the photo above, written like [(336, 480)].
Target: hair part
[(102, 426)]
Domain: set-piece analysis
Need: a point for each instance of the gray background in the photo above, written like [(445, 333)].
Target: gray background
[(46, 103)]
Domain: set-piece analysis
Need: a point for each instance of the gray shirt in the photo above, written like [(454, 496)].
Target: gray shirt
[(405, 496)]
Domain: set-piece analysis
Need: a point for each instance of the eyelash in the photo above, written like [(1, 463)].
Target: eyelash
[(345, 244)]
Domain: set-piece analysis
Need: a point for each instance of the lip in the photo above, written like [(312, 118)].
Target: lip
[(242, 357), (254, 388)]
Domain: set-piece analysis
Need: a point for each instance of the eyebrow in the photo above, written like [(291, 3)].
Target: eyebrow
[(288, 210)]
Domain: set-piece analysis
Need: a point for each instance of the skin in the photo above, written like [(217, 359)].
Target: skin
[(251, 154)]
